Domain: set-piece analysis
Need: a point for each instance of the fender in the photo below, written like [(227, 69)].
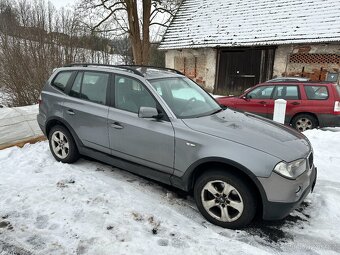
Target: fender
[(185, 182), (68, 126)]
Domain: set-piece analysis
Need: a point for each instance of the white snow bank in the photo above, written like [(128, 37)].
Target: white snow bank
[(18, 123), (92, 208)]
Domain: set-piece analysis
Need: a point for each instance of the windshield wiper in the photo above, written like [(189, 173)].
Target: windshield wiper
[(217, 111)]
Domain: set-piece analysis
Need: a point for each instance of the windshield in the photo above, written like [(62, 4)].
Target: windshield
[(185, 98)]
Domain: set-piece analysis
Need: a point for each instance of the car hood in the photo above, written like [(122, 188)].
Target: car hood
[(254, 131)]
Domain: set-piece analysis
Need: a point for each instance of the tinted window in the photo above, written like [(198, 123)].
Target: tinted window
[(130, 95), (287, 92), (263, 92), (316, 92), (338, 89), (94, 86), (60, 81), (75, 90)]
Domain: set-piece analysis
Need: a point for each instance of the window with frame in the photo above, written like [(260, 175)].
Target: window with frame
[(61, 80), (263, 92), (316, 92), (287, 92), (91, 86), (130, 94)]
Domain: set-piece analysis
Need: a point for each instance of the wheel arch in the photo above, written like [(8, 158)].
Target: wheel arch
[(53, 121), (306, 113), (187, 181)]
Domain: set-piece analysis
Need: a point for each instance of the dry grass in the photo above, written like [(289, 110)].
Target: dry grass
[(22, 142)]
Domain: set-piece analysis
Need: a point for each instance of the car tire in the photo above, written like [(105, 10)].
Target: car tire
[(232, 206), (62, 145), (303, 122)]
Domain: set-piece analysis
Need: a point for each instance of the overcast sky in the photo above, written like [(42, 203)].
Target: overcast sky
[(61, 3)]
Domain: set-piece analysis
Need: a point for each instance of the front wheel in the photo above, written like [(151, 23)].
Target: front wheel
[(62, 145), (224, 199)]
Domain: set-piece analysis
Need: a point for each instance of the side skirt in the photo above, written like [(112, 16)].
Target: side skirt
[(127, 165)]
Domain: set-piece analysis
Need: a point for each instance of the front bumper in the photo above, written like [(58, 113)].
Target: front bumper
[(276, 210)]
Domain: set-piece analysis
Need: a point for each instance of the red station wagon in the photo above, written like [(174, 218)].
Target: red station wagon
[(309, 104)]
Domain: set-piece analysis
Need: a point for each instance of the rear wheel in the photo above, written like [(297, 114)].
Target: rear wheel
[(62, 145), (303, 122), (224, 199)]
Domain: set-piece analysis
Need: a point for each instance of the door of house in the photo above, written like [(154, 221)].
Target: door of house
[(242, 68)]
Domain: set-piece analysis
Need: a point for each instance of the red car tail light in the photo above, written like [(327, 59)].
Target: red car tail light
[(337, 107)]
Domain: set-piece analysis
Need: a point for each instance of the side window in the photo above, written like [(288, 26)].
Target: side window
[(94, 86), (75, 90), (263, 92), (130, 94), (60, 81), (287, 92), (316, 92)]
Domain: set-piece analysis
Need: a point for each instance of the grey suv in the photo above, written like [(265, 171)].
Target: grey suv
[(159, 124)]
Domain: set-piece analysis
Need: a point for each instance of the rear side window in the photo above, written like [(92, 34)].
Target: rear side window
[(91, 86), (61, 80), (287, 92), (338, 89), (316, 92)]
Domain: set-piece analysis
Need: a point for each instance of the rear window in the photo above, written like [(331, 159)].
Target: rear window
[(316, 92), (61, 80), (338, 89)]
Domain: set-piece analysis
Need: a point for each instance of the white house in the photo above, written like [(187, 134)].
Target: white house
[(230, 45)]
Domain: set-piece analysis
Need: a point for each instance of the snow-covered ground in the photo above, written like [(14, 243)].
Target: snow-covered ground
[(48, 207), (18, 123)]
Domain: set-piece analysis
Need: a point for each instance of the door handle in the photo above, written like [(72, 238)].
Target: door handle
[(116, 125), (70, 111), (295, 103), (262, 102)]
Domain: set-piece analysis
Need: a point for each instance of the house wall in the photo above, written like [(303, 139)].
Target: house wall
[(312, 61), (197, 64)]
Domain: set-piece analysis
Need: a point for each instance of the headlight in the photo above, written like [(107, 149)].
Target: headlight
[(291, 170)]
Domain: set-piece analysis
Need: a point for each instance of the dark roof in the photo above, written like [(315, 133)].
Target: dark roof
[(229, 23)]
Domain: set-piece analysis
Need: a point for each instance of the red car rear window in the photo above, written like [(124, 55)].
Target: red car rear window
[(316, 92), (338, 90)]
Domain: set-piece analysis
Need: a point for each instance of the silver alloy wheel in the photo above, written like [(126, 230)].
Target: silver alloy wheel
[(303, 124), (60, 144), (222, 201)]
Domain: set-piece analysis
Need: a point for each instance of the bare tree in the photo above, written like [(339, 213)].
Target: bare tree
[(35, 39), (132, 17)]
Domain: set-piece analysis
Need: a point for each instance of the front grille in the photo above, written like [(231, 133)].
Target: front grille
[(310, 160)]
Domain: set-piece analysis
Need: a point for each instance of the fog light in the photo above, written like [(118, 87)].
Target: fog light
[(298, 190)]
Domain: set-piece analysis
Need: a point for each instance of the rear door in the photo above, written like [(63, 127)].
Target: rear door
[(257, 100), (292, 95), (86, 109), (148, 142)]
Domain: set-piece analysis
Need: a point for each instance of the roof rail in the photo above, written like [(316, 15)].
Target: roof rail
[(123, 67), (154, 67)]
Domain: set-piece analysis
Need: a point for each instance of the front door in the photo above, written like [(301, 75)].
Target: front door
[(148, 142), (257, 101)]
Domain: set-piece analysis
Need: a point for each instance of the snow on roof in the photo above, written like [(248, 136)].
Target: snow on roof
[(227, 23)]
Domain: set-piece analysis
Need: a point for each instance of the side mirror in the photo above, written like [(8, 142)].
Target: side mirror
[(148, 112), (245, 98)]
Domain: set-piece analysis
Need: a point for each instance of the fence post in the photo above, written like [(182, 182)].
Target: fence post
[(280, 110)]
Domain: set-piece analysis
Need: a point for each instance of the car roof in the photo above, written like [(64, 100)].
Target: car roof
[(308, 83), (287, 79), (147, 72)]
